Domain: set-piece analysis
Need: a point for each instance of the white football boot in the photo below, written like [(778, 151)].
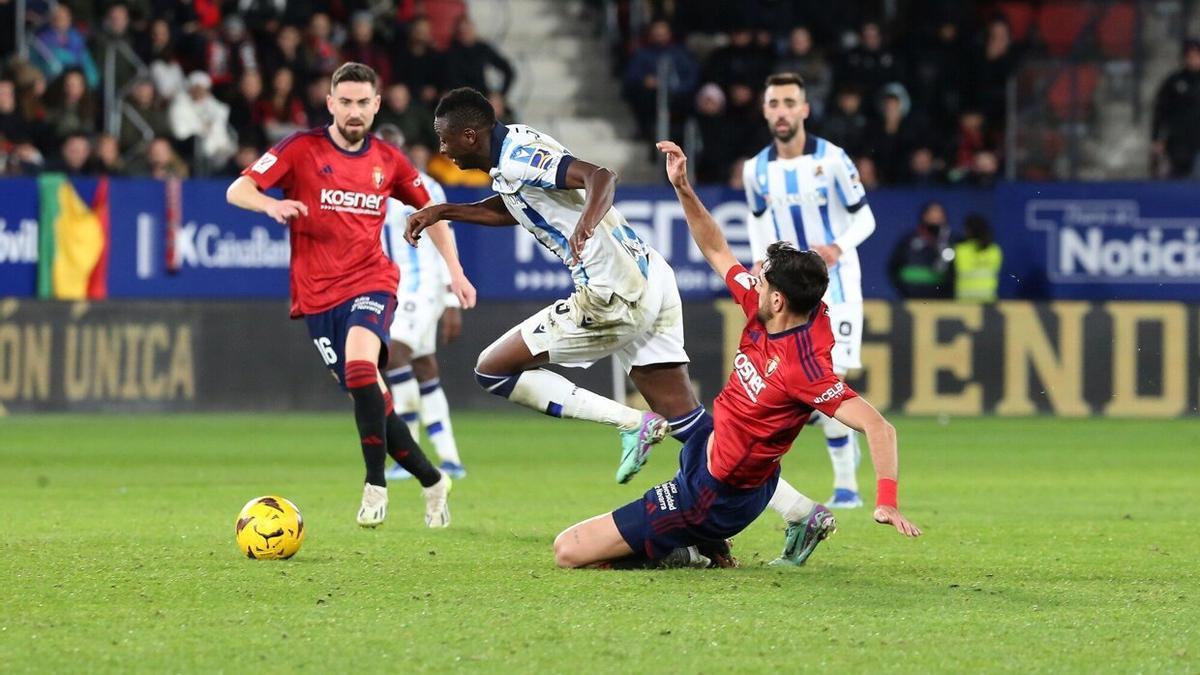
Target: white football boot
[(374, 505), (437, 511)]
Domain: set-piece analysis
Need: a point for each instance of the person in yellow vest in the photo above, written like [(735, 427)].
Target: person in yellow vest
[(977, 261)]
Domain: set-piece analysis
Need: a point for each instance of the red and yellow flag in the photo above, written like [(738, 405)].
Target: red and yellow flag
[(72, 241)]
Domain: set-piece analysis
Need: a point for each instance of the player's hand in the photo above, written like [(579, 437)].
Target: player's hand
[(451, 324), (890, 515), (461, 286), (578, 240), (829, 253), (676, 163), (283, 210), (419, 221)]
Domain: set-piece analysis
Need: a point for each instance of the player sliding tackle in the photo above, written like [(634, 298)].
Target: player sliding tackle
[(729, 470)]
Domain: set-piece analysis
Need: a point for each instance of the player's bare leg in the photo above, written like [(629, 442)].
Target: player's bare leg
[(592, 542), (507, 368), (435, 415)]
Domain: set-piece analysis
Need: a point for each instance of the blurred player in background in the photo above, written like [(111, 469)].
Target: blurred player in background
[(729, 469), (335, 181), (805, 190), (424, 300)]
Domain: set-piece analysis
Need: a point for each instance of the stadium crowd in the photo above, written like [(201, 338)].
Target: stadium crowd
[(208, 85)]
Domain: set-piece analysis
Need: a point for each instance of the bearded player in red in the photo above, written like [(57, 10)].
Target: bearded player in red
[(336, 181), (782, 373)]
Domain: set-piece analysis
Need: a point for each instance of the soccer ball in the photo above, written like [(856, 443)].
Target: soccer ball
[(269, 528)]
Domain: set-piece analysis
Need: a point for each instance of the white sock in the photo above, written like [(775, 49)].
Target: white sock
[(435, 417), (552, 394), (789, 503), (406, 398), (842, 443)]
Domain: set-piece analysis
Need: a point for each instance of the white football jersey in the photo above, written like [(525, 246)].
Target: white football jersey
[(422, 269), (810, 200), (528, 172)]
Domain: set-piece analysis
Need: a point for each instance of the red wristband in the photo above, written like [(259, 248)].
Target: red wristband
[(885, 492)]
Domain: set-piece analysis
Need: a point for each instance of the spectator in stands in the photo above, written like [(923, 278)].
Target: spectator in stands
[(994, 65), (977, 261), (13, 127), (468, 58), (241, 110), (114, 34), (228, 55), (72, 108), (972, 139), (870, 65), (287, 52), (281, 112), (265, 17), (23, 160), (984, 170), (244, 157), (419, 64), (144, 118), (160, 161), (73, 156), (923, 169), (59, 46), (316, 110), (937, 73), (31, 91), (893, 135), (641, 81), (921, 263), (322, 45), (106, 157), (803, 58), (741, 62), (165, 68), (718, 147), (1176, 124), (364, 47), (867, 173), (197, 116), (414, 120), (846, 125), (504, 111)]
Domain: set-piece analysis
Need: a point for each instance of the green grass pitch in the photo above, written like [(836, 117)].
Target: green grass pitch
[(1051, 546)]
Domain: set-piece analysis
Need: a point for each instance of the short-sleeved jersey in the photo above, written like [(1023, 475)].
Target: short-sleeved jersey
[(335, 248), (529, 171), (808, 200), (778, 380), (422, 269)]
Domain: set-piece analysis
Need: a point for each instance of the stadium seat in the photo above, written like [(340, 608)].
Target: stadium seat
[(1074, 83), (1115, 30), (1019, 16), (1061, 24)]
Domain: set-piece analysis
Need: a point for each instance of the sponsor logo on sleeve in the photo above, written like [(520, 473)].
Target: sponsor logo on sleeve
[(832, 393), (264, 163), (745, 280)]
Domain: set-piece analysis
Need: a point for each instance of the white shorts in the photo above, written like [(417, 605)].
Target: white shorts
[(581, 329), (416, 322), (846, 319)]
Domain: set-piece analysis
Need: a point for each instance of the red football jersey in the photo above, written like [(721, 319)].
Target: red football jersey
[(777, 381), (336, 253)]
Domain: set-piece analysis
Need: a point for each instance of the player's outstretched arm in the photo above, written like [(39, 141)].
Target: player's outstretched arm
[(443, 240), (490, 212), (881, 437), (700, 222), (244, 194), (600, 188)]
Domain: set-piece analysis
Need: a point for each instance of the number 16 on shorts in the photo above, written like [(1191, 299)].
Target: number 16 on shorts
[(325, 347)]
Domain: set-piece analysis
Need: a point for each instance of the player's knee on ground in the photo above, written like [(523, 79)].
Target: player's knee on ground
[(566, 552)]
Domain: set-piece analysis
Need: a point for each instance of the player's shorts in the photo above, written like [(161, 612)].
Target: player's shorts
[(583, 329), (693, 507), (846, 320), (328, 329), (416, 322)]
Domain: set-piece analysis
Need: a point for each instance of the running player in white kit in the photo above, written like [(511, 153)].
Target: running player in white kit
[(806, 190), (423, 302)]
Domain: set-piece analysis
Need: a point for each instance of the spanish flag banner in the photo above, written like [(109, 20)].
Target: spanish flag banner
[(72, 241)]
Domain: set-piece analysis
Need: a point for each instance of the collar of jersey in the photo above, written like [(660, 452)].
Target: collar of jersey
[(499, 133), (355, 153), (792, 330)]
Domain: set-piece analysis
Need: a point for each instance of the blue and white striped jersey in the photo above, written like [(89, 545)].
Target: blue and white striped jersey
[(529, 171), (809, 200), (422, 269)]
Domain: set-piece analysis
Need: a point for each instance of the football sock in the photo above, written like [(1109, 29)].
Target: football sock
[(407, 395), (552, 394), (789, 503), (435, 416), (370, 415), (404, 449), (685, 425), (843, 452)]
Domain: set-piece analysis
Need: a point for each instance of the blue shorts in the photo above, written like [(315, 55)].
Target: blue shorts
[(328, 329), (691, 508)]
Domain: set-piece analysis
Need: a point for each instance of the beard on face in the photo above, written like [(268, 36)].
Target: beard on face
[(353, 134), (787, 134)]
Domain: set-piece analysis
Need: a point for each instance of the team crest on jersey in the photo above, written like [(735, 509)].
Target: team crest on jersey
[(377, 176), (772, 365), (819, 172)]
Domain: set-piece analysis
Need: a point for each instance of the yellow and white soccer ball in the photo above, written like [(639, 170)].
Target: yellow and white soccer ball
[(269, 528)]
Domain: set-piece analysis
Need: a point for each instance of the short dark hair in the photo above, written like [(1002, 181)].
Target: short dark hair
[(801, 276), (780, 79), (466, 108), (354, 72)]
